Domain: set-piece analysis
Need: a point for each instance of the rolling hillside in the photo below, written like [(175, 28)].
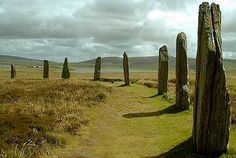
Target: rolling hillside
[(145, 63), (135, 63), (6, 60)]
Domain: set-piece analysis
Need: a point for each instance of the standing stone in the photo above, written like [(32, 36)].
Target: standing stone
[(45, 69), (163, 70), (65, 70), (13, 71), (211, 119), (182, 85), (97, 70), (126, 68)]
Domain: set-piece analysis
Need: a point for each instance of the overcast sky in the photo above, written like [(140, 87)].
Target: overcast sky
[(85, 29)]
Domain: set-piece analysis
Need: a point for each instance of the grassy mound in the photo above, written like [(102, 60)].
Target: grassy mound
[(38, 115)]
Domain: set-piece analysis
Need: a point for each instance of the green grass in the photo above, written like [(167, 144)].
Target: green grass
[(77, 118), (133, 124)]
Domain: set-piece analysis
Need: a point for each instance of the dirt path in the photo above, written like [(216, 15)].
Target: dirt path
[(130, 126)]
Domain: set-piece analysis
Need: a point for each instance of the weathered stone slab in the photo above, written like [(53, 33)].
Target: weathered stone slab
[(126, 68), (45, 69), (182, 85), (13, 71), (65, 70), (97, 70), (212, 104), (163, 70)]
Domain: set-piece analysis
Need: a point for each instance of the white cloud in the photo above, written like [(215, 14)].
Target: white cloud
[(88, 28)]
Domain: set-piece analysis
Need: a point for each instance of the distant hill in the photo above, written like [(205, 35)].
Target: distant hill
[(145, 63), (21, 61), (135, 63)]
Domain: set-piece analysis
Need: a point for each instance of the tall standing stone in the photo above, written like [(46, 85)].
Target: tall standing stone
[(212, 104), (13, 71), (45, 69), (163, 70), (126, 68), (182, 85), (97, 70), (65, 70)]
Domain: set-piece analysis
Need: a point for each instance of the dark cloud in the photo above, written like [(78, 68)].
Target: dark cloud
[(89, 28)]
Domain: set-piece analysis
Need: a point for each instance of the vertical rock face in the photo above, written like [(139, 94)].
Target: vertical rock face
[(126, 68), (182, 86), (13, 71), (97, 70), (163, 70), (65, 70), (212, 104), (45, 69)]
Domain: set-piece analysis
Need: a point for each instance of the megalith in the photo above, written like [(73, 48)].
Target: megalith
[(65, 70), (211, 119), (126, 68), (13, 71), (182, 85), (97, 70), (45, 69), (163, 70)]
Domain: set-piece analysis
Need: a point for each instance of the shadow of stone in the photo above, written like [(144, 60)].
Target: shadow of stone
[(169, 110), (182, 150), (110, 80), (152, 96), (123, 85)]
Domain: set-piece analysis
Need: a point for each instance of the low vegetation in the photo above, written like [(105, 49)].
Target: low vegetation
[(38, 115), (151, 82), (135, 123)]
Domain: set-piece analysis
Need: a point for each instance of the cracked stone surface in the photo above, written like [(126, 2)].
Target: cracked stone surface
[(45, 69), (212, 104), (163, 70), (182, 85), (65, 70), (97, 70), (126, 68)]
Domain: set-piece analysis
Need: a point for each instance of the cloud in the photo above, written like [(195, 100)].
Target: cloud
[(88, 28)]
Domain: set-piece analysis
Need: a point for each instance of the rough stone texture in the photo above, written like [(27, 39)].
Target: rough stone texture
[(65, 70), (182, 85), (126, 68), (212, 104), (97, 70), (163, 70), (13, 71), (45, 69)]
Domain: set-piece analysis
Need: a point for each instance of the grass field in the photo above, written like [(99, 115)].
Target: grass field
[(83, 119), (37, 115)]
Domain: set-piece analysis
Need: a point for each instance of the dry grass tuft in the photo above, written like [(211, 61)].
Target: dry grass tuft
[(37, 114)]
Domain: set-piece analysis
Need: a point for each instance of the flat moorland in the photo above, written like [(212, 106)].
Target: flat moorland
[(80, 118)]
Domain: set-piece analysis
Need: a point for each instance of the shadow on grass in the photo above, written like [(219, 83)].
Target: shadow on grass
[(152, 96), (182, 150), (169, 110), (110, 80), (123, 85)]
